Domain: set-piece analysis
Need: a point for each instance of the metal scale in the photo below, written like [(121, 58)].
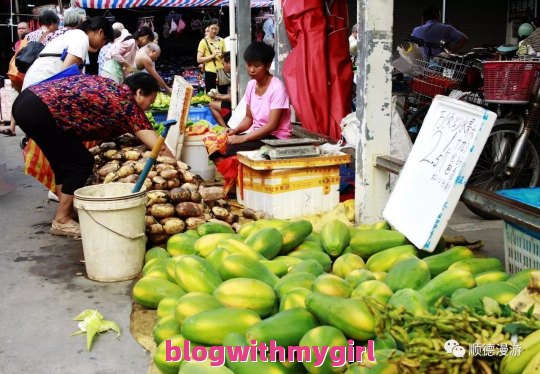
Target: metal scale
[(276, 149)]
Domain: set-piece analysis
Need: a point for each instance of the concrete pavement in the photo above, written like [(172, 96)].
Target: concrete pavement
[(44, 285)]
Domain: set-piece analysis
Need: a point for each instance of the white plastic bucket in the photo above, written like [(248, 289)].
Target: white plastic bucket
[(112, 230), (195, 155)]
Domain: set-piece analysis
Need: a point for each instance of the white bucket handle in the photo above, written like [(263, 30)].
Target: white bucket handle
[(132, 237)]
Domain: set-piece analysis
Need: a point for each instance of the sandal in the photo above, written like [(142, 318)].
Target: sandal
[(7, 132), (70, 228)]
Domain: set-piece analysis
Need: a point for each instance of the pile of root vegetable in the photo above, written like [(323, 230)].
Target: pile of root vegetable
[(177, 200)]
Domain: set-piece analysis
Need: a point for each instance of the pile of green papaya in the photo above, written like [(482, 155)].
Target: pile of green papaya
[(277, 280)]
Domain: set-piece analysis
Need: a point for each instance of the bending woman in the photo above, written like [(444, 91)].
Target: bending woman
[(70, 48), (71, 110)]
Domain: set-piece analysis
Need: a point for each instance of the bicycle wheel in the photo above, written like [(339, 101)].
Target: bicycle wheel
[(489, 172), (414, 123)]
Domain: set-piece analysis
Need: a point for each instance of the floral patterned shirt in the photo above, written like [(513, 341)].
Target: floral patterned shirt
[(92, 107), (34, 36)]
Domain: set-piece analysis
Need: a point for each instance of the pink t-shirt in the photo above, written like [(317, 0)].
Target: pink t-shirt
[(275, 97)]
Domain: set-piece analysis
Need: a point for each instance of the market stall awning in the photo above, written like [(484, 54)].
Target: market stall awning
[(119, 4)]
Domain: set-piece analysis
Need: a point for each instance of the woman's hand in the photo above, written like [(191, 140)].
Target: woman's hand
[(236, 139)]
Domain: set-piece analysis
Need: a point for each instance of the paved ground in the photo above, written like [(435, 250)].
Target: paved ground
[(44, 285)]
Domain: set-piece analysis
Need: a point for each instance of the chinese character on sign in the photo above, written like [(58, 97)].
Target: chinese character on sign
[(489, 350), (475, 349), (515, 350), (503, 349)]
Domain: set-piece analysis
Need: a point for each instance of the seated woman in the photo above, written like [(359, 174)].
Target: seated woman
[(220, 106), (268, 115)]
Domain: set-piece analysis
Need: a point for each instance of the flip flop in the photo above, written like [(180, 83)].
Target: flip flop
[(7, 132)]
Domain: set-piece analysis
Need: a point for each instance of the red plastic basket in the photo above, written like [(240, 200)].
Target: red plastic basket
[(432, 85), (509, 82)]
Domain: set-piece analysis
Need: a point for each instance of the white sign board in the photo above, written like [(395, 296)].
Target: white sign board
[(437, 169), (179, 111)]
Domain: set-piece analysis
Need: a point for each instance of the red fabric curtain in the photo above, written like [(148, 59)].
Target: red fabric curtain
[(318, 71)]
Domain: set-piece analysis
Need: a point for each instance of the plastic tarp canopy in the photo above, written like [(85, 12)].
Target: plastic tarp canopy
[(119, 4), (318, 33)]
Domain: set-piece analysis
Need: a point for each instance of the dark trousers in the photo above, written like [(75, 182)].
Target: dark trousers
[(71, 162), (210, 82)]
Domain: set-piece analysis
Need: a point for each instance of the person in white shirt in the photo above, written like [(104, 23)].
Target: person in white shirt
[(353, 40), (70, 48)]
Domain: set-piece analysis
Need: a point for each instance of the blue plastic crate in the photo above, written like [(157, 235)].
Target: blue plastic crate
[(521, 246), (159, 115), (198, 113)]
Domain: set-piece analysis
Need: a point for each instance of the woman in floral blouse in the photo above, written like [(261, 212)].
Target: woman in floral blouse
[(61, 114)]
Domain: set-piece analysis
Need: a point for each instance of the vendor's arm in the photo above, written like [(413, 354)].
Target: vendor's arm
[(151, 69), (72, 59), (274, 120), (149, 138)]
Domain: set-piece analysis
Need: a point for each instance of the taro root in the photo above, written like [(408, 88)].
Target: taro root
[(107, 146), (173, 225), (179, 195), (168, 173), (173, 183), (236, 226), (162, 210), (161, 167), (147, 184), (95, 150), (147, 154), (193, 222), (190, 187), (149, 220), (188, 177), (140, 148), (215, 220), (132, 155), (129, 179), (231, 218), (139, 166), (126, 170), (159, 183), (196, 197), (211, 193), (158, 238), (152, 174), (220, 213), (156, 228), (113, 154), (188, 209), (166, 160), (181, 165), (253, 214), (110, 167), (157, 197), (111, 177)]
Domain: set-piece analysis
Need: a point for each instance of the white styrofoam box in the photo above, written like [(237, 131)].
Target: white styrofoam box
[(289, 193)]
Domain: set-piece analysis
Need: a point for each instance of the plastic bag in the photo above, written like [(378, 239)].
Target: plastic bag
[(406, 63), (350, 129)]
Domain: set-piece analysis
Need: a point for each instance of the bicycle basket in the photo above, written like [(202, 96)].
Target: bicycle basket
[(432, 85), (509, 82)]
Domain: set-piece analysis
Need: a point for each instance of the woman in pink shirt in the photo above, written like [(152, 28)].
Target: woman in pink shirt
[(268, 115), (120, 59)]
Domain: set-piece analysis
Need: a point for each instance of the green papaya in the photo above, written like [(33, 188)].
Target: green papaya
[(335, 237), (294, 233), (351, 316), (368, 242)]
